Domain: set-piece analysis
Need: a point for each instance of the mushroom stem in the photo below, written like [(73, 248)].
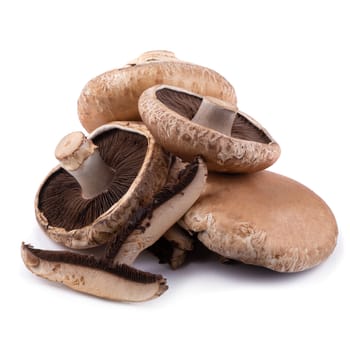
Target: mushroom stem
[(215, 114), (80, 157), (151, 56)]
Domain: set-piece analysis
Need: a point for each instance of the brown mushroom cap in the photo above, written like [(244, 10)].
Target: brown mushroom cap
[(114, 95), (77, 222), (263, 219), (86, 274), (229, 140)]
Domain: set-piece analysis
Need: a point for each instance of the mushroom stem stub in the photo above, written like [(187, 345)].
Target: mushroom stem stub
[(151, 56), (215, 114), (80, 157)]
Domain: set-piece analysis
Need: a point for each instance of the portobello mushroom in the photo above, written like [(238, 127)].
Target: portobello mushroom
[(188, 124), (101, 182)]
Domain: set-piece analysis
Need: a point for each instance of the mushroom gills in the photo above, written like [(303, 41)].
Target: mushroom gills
[(212, 113), (150, 223), (89, 275), (61, 196)]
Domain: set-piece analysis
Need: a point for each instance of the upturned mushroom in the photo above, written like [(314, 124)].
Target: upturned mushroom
[(188, 124), (86, 274), (263, 219), (114, 95), (101, 183)]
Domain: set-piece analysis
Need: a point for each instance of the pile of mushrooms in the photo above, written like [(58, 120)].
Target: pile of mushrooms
[(170, 161)]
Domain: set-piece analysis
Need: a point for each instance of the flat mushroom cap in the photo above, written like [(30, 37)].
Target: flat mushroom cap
[(80, 223), (113, 95), (242, 144), (263, 219)]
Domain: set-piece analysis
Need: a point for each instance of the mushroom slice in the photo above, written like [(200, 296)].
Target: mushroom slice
[(113, 95), (188, 125), (86, 274), (168, 206), (102, 181), (173, 247), (263, 219)]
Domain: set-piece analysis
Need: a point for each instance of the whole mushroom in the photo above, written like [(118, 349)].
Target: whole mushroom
[(188, 125), (100, 184)]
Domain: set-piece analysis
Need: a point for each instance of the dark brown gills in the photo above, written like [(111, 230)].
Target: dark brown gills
[(60, 199)]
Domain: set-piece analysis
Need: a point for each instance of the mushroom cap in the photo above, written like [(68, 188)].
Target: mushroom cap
[(263, 219), (104, 226), (167, 111), (113, 95)]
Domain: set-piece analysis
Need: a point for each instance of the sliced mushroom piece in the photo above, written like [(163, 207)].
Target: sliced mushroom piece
[(86, 274), (168, 206), (113, 95), (101, 182), (188, 125), (173, 247), (263, 219)]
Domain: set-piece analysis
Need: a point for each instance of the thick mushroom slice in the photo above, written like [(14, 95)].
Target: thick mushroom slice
[(263, 219), (113, 95), (86, 274), (102, 181), (172, 248), (188, 125), (152, 222)]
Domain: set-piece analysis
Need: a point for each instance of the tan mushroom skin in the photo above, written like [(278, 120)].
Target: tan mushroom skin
[(263, 219), (114, 95)]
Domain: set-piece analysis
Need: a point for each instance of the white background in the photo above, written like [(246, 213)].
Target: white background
[(289, 62)]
